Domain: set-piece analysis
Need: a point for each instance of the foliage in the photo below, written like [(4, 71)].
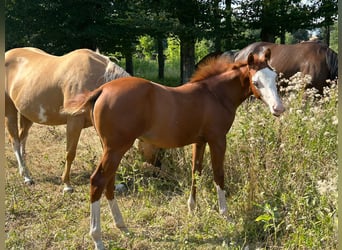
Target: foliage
[(146, 47), (172, 52), (280, 176), (114, 25), (334, 37)]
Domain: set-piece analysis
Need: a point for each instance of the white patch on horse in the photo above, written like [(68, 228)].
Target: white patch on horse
[(42, 116), (113, 71), (191, 203), (266, 84), (95, 224), (221, 200), (114, 208)]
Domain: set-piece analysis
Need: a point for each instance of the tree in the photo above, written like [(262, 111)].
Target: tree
[(275, 17), (325, 14)]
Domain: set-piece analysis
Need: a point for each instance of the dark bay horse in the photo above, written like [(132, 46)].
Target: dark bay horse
[(198, 112), (312, 58), (38, 84)]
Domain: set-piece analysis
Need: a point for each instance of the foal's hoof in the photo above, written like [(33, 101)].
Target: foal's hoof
[(68, 189)]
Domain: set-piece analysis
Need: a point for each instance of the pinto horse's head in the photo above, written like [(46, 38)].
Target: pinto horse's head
[(263, 82)]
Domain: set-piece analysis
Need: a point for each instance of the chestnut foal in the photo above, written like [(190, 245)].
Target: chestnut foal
[(198, 112)]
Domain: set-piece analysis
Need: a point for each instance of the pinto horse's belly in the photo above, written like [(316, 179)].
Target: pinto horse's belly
[(42, 109)]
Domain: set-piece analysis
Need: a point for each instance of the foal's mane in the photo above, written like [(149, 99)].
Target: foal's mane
[(214, 66)]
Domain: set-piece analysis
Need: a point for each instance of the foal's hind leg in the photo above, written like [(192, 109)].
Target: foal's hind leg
[(113, 205), (197, 166), (103, 178), (74, 128)]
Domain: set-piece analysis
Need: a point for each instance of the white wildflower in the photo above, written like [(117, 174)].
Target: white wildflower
[(334, 120)]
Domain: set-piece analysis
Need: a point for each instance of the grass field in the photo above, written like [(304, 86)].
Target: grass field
[(280, 176)]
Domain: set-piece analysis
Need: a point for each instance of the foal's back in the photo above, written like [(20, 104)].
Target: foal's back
[(166, 117)]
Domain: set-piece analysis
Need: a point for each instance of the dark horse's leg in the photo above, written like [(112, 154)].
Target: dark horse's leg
[(217, 151), (103, 179), (197, 159)]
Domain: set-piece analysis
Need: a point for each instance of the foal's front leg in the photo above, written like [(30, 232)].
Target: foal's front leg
[(197, 160), (217, 151)]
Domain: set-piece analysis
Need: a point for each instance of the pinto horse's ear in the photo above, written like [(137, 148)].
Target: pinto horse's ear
[(267, 54), (250, 59)]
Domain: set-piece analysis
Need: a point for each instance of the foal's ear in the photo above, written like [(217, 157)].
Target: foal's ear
[(250, 59), (267, 54)]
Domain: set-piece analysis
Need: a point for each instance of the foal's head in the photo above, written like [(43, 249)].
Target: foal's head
[(263, 82)]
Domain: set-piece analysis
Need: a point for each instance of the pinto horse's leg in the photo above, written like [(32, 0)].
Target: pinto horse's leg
[(102, 179), (217, 151), (11, 123), (197, 160), (73, 130), (25, 126), (150, 153)]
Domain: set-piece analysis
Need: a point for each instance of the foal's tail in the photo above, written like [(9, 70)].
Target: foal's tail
[(82, 103), (332, 63)]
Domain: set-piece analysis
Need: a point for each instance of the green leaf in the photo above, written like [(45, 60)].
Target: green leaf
[(264, 217)]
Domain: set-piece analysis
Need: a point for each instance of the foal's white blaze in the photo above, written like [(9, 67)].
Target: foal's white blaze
[(265, 80), (95, 225), (221, 200)]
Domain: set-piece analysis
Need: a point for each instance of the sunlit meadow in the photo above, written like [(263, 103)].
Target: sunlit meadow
[(280, 176)]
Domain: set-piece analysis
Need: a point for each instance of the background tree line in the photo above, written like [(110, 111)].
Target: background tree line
[(132, 26)]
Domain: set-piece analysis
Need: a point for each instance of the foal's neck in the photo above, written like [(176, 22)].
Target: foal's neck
[(231, 88)]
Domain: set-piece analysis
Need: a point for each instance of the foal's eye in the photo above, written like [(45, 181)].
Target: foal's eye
[(256, 84)]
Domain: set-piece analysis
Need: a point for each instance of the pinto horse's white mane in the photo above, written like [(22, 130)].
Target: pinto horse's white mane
[(113, 71)]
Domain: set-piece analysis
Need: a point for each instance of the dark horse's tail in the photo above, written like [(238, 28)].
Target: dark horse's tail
[(332, 63), (82, 103)]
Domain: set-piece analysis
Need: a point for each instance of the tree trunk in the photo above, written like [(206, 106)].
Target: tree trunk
[(282, 36), (266, 36), (327, 35), (161, 58), (229, 29), (129, 62), (187, 53)]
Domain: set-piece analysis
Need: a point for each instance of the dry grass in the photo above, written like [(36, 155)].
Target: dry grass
[(281, 179)]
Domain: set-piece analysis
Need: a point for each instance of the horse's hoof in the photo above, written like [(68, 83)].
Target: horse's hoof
[(121, 188), (68, 189), (28, 181), (123, 229)]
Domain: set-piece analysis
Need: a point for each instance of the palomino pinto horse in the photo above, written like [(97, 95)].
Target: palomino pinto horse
[(39, 84), (312, 58), (199, 112)]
